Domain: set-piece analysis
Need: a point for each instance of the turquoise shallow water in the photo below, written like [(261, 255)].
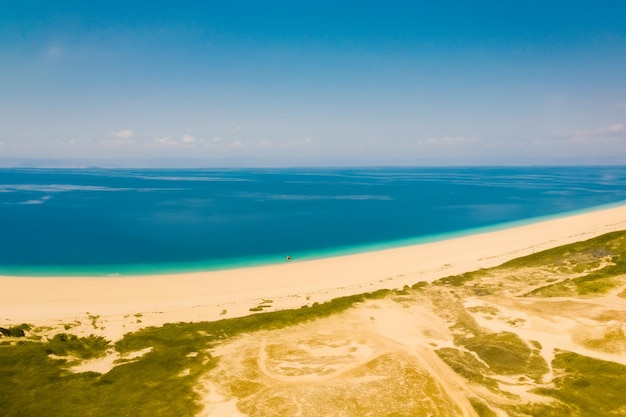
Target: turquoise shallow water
[(129, 221)]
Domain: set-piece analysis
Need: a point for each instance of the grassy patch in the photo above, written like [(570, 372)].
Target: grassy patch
[(460, 280), (481, 409), (487, 310), (90, 347), (419, 285), (565, 288), (468, 366), (600, 282), (549, 409), (33, 383), (599, 263), (577, 256), (507, 354), (592, 387), (15, 331), (595, 283)]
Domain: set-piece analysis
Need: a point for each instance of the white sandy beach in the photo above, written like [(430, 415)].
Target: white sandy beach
[(123, 304)]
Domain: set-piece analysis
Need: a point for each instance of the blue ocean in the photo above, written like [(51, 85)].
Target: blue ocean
[(133, 221)]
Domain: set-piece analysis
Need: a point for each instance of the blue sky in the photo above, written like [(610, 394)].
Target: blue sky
[(285, 83)]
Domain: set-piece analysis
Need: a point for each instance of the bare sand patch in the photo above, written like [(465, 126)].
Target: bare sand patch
[(364, 361)]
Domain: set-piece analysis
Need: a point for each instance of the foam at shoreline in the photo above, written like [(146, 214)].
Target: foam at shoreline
[(87, 271)]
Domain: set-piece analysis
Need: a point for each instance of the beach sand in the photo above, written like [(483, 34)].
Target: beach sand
[(112, 306)]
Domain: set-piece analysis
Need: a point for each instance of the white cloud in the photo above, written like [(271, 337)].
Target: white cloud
[(187, 140), (214, 143), (166, 140), (282, 145), (449, 141), (616, 129), (123, 134), (117, 142), (69, 142), (304, 141), (608, 137), (298, 143)]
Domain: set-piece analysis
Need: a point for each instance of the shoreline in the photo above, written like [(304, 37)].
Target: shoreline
[(185, 268), (212, 295)]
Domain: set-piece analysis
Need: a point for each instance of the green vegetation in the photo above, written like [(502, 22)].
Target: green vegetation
[(94, 320), (460, 280), (263, 304), (594, 283), (591, 387), (481, 408), (90, 347), (600, 261), (419, 285), (506, 354), (468, 366), (16, 331), (575, 256), (406, 290), (550, 409), (487, 310), (495, 354), (33, 384), (35, 381)]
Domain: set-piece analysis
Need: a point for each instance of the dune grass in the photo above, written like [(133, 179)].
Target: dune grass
[(505, 353), (601, 261), (35, 380), (589, 386)]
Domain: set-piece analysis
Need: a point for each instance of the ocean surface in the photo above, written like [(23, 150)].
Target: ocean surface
[(134, 221)]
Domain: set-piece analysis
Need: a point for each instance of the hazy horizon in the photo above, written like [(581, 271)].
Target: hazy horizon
[(252, 163)]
